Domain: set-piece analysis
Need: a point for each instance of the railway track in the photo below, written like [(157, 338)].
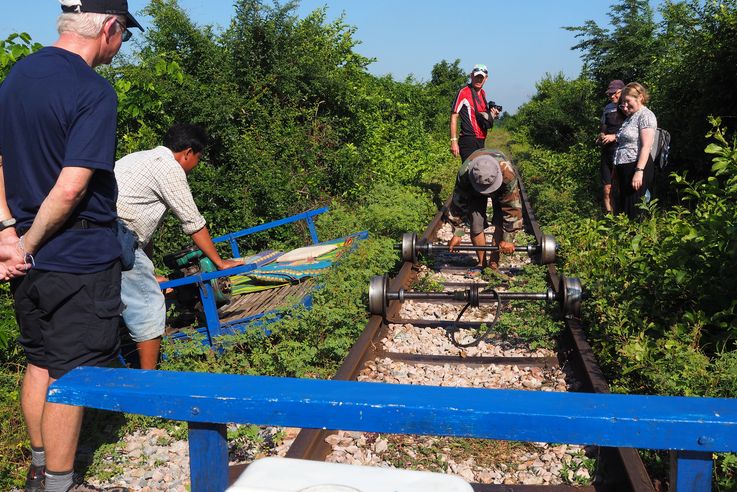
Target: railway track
[(410, 345)]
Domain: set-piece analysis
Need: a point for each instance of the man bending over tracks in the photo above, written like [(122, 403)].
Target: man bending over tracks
[(149, 183), (486, 174)]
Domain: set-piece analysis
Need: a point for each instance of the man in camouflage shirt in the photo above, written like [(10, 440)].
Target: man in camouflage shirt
[(486, 174)]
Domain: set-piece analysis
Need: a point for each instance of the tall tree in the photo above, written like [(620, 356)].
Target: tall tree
[(626, 51)]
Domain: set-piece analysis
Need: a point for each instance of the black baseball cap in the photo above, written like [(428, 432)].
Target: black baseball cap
[(113, 7)]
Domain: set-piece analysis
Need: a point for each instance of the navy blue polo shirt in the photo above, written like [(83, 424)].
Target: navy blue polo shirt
[(56, 112)]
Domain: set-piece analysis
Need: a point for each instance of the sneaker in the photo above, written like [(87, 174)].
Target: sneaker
[(35, 479), (474, 272)]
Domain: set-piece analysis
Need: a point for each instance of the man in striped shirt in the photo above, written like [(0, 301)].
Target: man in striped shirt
[(470, 100), (151, 182)]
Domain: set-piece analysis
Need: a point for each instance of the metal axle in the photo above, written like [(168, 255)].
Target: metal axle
[(569, 296), (543, 253)]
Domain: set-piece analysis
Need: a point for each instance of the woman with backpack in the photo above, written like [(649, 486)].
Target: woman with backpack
[(633, 163)]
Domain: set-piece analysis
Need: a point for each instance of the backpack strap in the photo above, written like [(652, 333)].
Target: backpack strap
[(475, 98)]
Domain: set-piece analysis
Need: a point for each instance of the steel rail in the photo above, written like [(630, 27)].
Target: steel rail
[(625, 464), (625, 469)]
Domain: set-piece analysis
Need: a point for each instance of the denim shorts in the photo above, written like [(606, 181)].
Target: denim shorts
[(145, 309)]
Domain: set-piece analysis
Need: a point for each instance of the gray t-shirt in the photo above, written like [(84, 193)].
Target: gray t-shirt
[(628, 137)]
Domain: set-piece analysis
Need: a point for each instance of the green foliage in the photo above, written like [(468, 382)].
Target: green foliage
[(301, 342), (561, 113), (388, 210), (428, 283), (626, 51), (8, 327), (13, 441), (13, 48), (662, 305), (694, 69), (560, 184), (531, 322), (143, 92), (445, 81), (662, 312), (579, 470)]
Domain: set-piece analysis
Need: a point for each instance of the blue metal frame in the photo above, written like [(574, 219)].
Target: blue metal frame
[(214, 328), (306, 216), (694, 427)]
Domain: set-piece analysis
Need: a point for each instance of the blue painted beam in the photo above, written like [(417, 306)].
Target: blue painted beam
[(650, 422), (690, 471), (204, 277), (208, 457), (312, 229), (209, 306), (270, 225)]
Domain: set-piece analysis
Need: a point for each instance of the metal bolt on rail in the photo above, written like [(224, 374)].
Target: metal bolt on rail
[(569, 295), (543, 253)]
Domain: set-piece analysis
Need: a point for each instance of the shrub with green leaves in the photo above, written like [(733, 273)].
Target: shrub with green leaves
[(662, 311)]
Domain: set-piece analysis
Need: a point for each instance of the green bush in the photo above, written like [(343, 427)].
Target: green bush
[(662, 313), (562, 113)]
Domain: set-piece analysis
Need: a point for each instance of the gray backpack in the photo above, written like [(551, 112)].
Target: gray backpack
[(661, 150)]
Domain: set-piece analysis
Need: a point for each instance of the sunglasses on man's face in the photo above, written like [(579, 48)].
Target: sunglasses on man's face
[(126, 33)]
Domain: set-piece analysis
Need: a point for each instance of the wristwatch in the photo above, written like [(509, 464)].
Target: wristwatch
[(4, 224)]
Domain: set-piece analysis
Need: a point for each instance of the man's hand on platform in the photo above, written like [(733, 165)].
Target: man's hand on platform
[(232, 263)]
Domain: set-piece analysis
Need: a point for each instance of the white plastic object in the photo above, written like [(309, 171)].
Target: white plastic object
[(306, 252), (291, 475)]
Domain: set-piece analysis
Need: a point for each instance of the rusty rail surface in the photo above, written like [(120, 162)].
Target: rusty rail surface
[(625, 470)]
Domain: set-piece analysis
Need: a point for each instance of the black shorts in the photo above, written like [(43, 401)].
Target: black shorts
[(468, 144), (68, 320), (607, 164)]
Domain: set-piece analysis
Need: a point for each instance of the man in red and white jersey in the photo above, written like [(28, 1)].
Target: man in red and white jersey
[(469, 104)]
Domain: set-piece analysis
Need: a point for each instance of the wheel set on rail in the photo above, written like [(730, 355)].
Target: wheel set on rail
[(568, 295), (543, 253)]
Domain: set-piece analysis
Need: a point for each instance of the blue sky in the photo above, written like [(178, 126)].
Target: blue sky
[(519, 40)]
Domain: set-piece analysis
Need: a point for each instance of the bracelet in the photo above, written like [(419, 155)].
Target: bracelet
[(26, 256), (454, 139), (639, 170)]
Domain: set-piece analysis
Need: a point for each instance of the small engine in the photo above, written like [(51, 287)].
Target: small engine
[(191, 261)]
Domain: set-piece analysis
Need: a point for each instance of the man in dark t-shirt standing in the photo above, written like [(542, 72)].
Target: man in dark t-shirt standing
[(57, 145), (611, 120), (469, 101)]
